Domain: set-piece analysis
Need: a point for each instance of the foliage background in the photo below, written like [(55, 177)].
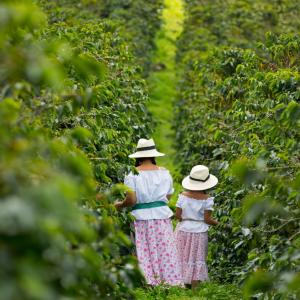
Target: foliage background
[(238, 112), (72, 105)]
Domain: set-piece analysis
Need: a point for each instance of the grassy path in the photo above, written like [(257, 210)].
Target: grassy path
[(162, 83)]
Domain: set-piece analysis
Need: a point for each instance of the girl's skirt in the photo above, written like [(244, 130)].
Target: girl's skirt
[(157, 252), (192, 250)]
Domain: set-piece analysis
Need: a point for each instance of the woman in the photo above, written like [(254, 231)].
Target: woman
[(150, 190)]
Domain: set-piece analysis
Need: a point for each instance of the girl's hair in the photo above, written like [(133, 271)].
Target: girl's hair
[(203, 191), (140, 160)]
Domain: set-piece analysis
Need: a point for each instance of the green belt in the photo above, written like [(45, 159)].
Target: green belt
[(149, 205)]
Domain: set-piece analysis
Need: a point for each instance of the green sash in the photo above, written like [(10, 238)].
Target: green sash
[(149, 205)]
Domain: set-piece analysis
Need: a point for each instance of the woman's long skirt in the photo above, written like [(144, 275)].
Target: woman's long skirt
[(157, 252), (192, 250)]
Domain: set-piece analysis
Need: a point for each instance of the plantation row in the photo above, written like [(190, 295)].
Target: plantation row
[(238, 111), (71, 109)]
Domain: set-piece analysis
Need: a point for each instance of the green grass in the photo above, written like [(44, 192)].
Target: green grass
[(206, 291)]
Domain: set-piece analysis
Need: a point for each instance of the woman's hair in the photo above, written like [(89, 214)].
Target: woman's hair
[(140, 160)]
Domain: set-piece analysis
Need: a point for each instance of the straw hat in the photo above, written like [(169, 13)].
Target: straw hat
[(146, 148), (199, 179)]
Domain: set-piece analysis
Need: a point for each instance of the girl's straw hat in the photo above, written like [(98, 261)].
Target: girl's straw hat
[(146, 148), (199, 179)]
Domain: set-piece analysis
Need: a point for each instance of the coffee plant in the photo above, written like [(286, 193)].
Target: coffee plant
[(72, 105), (238, 112), (141, 23)]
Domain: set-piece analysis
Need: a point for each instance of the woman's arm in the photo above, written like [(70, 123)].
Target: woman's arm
[(208, 219), (178, 213), (130, 200)]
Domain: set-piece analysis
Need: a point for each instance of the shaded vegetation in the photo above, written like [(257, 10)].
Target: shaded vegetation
[(72, 104), (238, 112)]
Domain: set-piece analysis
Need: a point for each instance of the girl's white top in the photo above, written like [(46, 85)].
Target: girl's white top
[(193, 209), (149, 186)]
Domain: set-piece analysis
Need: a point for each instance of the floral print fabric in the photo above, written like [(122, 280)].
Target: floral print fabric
[(192, 251), (157, 252)]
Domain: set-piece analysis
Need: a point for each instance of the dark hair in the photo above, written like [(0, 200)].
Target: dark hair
[(204, 191), (140, 160)]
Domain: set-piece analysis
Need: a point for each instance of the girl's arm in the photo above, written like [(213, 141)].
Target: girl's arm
[(208, 219), (130, 200), (178, 213)]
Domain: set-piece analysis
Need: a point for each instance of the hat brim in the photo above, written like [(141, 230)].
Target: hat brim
[(149, 153), (192, 185)]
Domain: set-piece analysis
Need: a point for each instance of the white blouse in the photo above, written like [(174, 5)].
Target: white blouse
[(149, 186), (193, 209)]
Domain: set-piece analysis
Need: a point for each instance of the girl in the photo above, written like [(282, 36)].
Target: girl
[(150, 190), (193, 210)]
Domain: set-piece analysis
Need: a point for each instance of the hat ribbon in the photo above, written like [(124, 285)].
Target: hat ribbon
[(202, 180), (145, 148)]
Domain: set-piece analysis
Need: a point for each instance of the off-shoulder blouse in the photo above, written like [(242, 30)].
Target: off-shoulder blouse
[(149, 186), (193, 209)]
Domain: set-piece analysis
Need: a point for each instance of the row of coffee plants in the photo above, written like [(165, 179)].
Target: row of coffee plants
[(137, 23), (238, 112), (235, 23), (72, 104), (141, 22)]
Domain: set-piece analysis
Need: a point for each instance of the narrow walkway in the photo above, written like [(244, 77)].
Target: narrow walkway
[(162, 85), (162, 81)]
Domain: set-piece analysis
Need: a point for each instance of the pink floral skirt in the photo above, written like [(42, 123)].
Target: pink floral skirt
[(192, 250), (156, 252)]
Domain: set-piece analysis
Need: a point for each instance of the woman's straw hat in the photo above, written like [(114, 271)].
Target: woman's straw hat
[(199, 179), (146, 148)]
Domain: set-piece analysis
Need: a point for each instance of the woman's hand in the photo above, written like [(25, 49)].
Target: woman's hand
[(129, 201), (118, 205)]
